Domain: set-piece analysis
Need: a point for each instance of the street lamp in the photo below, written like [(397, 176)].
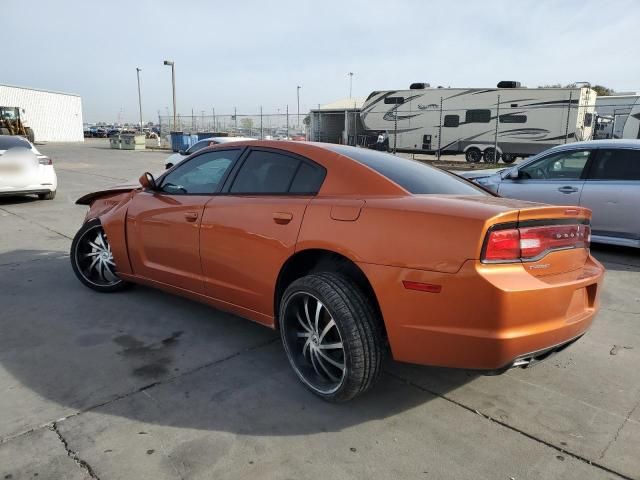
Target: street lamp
[(298, 92), (138, 70), (173, 86), (350, 83)]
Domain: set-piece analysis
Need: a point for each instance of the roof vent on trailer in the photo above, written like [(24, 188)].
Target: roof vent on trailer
[(419, 86), (508, 84)]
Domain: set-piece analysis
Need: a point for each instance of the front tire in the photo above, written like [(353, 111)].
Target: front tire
[(92, 260), (47, 196), (331, 335), (473, 155), (490, 155)]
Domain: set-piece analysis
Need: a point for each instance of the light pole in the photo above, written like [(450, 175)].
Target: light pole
[(138, 70), (350, 83), (173, 87), (298, 94)]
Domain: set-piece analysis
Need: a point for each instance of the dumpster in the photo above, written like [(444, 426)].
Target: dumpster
[(203, 135), (132, 141), (115, 142)]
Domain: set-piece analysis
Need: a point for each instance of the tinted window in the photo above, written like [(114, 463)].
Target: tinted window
[(308, 179), (513, 118), (451, 120), (559, 166), (616, 165), (200, 175), (197, 146), (394, 100), (265, 172), (478, 116), (8, 141), (413, 176)]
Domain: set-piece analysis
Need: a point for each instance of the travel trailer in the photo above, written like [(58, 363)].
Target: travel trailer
[(618, 116), (520, 121)]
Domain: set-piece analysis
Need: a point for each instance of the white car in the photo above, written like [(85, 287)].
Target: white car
[(176, 158), (24, 170)]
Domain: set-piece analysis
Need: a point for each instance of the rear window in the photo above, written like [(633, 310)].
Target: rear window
[(8, 141), (415, 177)]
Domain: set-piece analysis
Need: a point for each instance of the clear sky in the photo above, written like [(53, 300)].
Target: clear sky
[(249, 53)]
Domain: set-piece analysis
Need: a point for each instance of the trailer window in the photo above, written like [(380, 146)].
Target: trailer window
[(509, 118), (394, 100), (588, 119), (478, 116), (451, 120)]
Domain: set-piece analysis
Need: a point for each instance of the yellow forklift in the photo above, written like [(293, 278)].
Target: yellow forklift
[(11, 123)]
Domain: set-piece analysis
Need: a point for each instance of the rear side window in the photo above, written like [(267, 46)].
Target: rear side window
[(616, 164), (509, 118), (274, 173), (413, 176), (394, 100), (478, 116)]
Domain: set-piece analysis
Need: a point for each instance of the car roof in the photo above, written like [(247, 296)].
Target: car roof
[(610, 143)]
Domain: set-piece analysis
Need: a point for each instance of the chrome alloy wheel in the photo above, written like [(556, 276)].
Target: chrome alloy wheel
[(313, 343), (94, 259)]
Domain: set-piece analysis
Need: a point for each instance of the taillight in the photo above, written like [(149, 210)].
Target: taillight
[(532, 243), (44, 160)]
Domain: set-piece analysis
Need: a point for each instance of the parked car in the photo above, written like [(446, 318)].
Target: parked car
[(175, 158), (602, 175), (24, 170), (347, 250)]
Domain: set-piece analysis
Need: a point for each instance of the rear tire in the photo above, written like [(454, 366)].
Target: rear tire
[(331, 335), (92, 261), (47, 196), (508, 157), (4, 131), (30, 135), (473, 155), (490, 155)]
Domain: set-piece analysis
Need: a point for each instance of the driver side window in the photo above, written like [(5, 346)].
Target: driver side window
[(559, 166), (200, 175)]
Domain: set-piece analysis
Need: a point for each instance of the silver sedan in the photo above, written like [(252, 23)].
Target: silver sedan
[(603, 175)]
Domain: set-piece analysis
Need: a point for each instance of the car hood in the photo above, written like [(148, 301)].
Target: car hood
[(90, 197)]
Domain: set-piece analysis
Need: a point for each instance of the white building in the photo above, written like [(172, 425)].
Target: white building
[(53, 116)]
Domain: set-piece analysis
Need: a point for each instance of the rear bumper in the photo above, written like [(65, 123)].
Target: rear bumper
[(486, 317)]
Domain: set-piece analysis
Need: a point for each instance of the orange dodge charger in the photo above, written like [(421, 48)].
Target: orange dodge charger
[(349, 253)]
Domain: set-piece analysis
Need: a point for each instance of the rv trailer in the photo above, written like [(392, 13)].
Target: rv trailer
[(617, 116), (523, 122)]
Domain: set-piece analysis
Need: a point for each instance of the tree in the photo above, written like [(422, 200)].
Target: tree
[(603, 91), (246, 123), (307, 120)]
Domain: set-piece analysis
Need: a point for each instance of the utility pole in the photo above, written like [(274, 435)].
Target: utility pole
[(235, 119), (287, 122), (298, 92), (350, 84), (138, 70), (173, 87)]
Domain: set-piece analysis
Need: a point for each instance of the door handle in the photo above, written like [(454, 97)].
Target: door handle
[(191, 216), (282, 218), (568, 189)]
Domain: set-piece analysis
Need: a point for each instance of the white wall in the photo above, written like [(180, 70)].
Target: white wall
[(54, 117)]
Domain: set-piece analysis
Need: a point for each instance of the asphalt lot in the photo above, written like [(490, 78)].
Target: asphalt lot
[(144, 385)]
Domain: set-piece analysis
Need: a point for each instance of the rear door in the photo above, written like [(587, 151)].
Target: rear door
[(612, 192), (250, 230), (557, 179), (163, 226)]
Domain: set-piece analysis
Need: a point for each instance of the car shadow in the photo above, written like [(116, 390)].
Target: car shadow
[(617, 258), (18, 199), (151, 357)]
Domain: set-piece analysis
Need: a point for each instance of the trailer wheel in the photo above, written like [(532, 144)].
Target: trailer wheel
[(4, 131), (473, 155), (509, 157), (490, 155)]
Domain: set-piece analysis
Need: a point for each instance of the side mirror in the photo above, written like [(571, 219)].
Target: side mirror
[(147, 181), (182, 152), (512, 175)]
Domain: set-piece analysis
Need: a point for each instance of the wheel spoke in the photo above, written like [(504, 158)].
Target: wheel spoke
[(96, 247), (93, 264), (109, 274), (306, 312), (331, 360), (313, 363), (326, 329), (91, 254), (303, 334), (331, 376), (305, 326), (330, 346), (305, 347), (318, 308)]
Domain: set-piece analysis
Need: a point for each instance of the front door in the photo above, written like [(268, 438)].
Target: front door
[(163, 226), (251, 229), (556, 179)]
